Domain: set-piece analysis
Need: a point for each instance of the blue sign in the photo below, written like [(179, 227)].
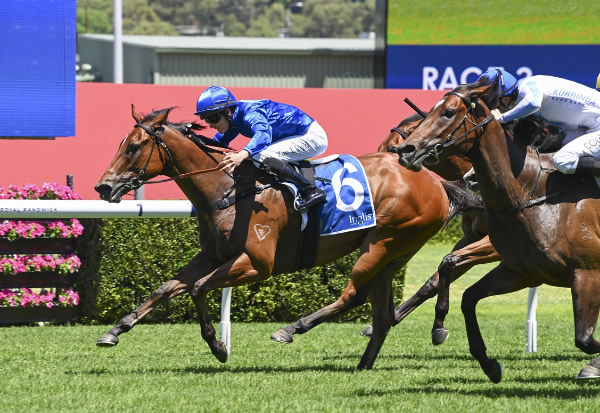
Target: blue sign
[(445, 67), (37, 68)]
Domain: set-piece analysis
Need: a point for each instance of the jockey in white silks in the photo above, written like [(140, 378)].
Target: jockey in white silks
[(572, 106)]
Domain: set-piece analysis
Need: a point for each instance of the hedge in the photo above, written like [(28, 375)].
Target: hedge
[(125, 260)]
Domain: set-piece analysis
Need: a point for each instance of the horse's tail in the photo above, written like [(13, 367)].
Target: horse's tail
[(461, 199)]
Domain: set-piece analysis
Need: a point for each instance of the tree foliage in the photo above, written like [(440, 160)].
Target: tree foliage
[(253, 18)]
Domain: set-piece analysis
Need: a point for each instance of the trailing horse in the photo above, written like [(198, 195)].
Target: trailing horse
[(544, 224), (250, 231)]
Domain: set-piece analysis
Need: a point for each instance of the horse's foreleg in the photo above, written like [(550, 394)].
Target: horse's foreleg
[(584, 292), (500, 280), (237, 271), (452, 267), (170, 289)]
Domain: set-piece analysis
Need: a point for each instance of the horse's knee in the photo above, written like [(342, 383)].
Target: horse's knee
[(198, 289), (448, 264)]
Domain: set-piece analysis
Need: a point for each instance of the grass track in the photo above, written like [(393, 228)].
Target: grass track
[(493, 22), (166, 368)]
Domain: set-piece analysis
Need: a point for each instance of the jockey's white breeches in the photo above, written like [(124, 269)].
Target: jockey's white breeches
[(580, 143), (297, 148)]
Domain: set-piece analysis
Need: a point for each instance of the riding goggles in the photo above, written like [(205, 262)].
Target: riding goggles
[(211, 117)]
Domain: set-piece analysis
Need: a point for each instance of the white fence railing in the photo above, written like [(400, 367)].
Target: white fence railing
[(48, 209), (51, 209)]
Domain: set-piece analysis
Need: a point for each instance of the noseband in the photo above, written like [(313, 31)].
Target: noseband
[(450, 140)]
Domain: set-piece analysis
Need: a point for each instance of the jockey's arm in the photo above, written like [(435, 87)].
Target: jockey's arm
[(529, 101)]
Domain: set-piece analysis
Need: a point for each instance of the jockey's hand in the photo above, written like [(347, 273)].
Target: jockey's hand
[(496, 113), (232, 160)]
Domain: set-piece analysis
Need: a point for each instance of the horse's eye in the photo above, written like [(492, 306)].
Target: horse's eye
[(448, 113), (132, 148)]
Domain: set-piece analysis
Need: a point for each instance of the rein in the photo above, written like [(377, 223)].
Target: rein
[(135, 183)]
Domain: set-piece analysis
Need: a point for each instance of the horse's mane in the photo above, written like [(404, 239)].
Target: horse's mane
[(187, 129)]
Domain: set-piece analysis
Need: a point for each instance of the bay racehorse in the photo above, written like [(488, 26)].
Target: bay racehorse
[(544, 224), (474, 247), (258, 234)]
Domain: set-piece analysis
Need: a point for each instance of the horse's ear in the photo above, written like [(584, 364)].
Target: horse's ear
[(135, 114), (159, 120), (487, 93)]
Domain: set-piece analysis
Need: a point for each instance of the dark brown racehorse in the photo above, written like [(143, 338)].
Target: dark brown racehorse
[(259, 235), (544, 224), (472, 249)]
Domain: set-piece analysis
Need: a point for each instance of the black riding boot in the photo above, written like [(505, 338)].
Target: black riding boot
[(588, 165), (309, 194)]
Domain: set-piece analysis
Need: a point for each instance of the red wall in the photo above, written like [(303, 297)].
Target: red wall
[(356, 121)]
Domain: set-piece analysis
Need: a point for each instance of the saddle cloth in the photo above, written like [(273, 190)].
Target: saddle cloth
[(348, 206)]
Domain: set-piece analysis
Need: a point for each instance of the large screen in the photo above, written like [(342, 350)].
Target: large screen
[(37, 68), (438, 44)]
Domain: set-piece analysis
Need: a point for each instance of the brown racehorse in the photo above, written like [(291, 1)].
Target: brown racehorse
[(544, 224), (259, 234), (474, 247)]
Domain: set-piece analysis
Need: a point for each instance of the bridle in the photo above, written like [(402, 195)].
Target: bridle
[(156, 135), (450, 140)]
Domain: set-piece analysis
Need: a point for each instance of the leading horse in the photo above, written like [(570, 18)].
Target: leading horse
[(474, 247), (544, 224), (259, 234)]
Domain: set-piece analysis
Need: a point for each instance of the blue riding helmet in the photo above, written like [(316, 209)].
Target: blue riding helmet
[(506, 84), (214, 98)]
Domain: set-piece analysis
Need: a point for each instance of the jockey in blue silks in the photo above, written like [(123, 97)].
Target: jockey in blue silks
[(279, 134), (560, 102)]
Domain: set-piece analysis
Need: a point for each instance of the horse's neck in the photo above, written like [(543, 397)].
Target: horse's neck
[(452, 168), (208, 185), (504, 174)]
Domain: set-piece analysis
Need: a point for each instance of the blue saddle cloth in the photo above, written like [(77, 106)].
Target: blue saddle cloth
[(349, 205)]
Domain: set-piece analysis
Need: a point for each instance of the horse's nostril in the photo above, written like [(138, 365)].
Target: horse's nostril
[(104, 190)]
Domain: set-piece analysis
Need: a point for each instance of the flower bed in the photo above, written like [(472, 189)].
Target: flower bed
[(40, 254)]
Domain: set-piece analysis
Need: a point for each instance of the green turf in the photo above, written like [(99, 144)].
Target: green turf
[(168, 368), (493, 22)]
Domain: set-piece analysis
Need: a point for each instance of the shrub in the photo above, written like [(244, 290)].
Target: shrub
[(125, 260)]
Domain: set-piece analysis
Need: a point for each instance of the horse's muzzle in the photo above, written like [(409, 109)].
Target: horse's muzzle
[(108, 193), (406, 156)]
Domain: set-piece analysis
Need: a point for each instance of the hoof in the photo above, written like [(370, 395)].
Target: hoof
[(439, 335), (588, 372), (220, 352), (107, 340), (282, 336), (367, 332), (494, 371)]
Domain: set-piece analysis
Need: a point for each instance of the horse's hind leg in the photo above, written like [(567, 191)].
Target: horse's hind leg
[(170, 289), (382, 303), (584, 292)]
